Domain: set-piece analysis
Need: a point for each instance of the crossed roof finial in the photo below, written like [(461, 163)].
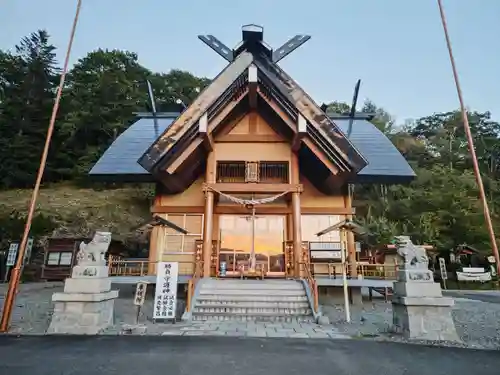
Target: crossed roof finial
[(253, 41)]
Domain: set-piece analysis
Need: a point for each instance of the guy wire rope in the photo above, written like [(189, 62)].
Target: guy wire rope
[(15, 276), (470, 142)]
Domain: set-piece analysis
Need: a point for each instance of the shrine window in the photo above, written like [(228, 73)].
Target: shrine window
[(177, 242), (271, 172), (63, 258)]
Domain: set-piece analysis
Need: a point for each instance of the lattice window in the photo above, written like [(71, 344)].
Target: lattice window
[(231, 171), (271, 172), (176, 242)]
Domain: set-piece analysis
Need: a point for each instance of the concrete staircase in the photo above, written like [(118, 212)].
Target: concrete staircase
[(252, 301)]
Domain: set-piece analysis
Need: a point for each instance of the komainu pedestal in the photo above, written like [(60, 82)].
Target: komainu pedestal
[(419, 309), (87, 303)]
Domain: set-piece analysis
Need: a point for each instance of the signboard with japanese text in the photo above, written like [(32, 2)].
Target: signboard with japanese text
[(326, 254), (29, 248), (140, 293), (12, 255), (166, 290), (442, 269)]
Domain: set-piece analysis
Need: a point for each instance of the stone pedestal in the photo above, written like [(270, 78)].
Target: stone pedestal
[(87, 303), (419, 309)]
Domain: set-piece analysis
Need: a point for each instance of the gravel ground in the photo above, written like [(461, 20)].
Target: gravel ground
[(477, 323)]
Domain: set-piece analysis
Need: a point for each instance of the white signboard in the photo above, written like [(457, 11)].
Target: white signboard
[(140, 293), (442, 268), (166, 290), (473, 276), (27, 254), (324, 246), (473, 269), (326, 254), (12, 255)]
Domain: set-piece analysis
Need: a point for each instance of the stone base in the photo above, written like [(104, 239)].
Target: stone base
[(418, 289), (89, 271), (87, 285), (82, 313), (427, 318), (334, 296)]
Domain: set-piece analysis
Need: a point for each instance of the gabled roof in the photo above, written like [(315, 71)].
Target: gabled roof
[(385, 162), (174, 149), (252, 72), (119, 162)]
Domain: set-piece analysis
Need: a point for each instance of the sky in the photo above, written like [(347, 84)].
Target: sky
[(396, 47)]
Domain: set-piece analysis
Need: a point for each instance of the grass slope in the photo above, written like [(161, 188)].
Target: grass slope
[(80, 211)]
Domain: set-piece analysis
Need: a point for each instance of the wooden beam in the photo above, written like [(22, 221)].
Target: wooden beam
[(225, 112), (179, 160), (260, 209), (286, 119), (171, 183), (252, 138), (205, 129), (203, 123), (252, 86), (226, 127), (254, 187), (301, 133), (208, 141), (328, 163)]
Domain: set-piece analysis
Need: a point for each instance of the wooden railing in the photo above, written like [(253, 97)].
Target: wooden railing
[(197, 274), (118, 266), (370, 271), (313, 286), (128, 267)]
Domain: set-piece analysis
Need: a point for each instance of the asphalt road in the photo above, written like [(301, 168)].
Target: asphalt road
[(235, 356)]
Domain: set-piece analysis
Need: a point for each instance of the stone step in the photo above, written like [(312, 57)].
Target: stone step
[(232, 310), (252, 285), (262, 317), (248, 292), (252, 304), (251, 298)]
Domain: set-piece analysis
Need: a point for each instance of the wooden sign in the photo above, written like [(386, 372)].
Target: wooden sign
[(166, 290), (12, 255), (140, 293), (442, 269), (29, 248)]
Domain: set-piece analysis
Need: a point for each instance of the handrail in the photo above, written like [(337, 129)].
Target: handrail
[(313, 286), (375, 271), (121, 267), (198, 267), (198, 271)]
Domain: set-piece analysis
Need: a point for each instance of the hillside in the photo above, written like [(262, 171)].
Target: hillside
[(67, 210)]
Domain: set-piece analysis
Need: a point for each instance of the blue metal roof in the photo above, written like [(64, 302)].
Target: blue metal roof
[(119, 162), (385, 162)]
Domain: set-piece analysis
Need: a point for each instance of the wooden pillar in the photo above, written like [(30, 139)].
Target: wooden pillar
[(296, 217), (297, 234), (208, 222), (156, 241), (208, 231), (154, 255), (351, 246)]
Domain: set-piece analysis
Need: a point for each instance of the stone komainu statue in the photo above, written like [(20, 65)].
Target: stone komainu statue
[(95, 250), (414, 257)]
